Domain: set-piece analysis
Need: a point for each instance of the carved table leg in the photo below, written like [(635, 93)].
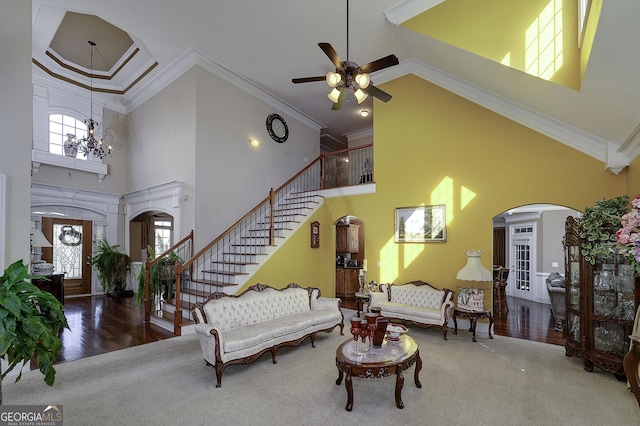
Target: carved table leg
[(490, 325), (340, 374), (349, 385), (416, 374), (473, 321), (399, 385)]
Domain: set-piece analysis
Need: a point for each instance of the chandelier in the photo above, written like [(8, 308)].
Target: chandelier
[(89, 145)]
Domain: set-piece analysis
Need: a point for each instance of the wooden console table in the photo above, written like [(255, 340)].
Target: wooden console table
[(391, 358), (473, 319), (54, 284)]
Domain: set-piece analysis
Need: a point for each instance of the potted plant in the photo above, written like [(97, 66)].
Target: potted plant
[(30, 320), (112, 267), (598, 226), (162, 277)]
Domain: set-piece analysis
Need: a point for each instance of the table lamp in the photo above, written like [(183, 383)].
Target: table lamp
[(38, 240), (473, 297)]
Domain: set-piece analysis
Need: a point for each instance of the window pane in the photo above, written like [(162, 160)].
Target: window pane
[(58, 132), (67, 249)]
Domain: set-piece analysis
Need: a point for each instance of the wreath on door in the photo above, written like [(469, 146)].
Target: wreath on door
[(69, 236)]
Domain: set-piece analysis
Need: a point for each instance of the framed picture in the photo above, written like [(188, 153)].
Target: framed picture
[(315, 234), (421, 224)]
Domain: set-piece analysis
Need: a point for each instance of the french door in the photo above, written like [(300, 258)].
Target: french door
[(522, 265), (71, 240)]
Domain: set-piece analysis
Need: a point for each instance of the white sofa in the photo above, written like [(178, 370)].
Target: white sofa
[(416, 302), (239, 329)]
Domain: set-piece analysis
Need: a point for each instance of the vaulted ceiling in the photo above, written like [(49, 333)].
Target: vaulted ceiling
[(142, 45)]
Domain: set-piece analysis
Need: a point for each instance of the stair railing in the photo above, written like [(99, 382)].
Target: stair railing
[(182, 249), (237, 248)]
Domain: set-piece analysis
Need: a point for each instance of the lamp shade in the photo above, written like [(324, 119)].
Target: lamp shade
[(38, 239), (334, 95), (363, 80), (360, 95), (473, 270), (333, 78)]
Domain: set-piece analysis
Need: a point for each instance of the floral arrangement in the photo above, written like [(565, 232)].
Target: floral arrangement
[(628, 237)]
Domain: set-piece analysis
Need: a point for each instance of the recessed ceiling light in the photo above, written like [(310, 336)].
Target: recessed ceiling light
[(364, 113)]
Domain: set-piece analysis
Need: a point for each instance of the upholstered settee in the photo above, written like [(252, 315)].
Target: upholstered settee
[(239, 329), (416, 302)]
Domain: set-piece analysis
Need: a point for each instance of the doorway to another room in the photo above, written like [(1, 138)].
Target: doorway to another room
[(528, 241), (350, 237)]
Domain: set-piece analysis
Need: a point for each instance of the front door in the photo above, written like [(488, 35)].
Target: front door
[(71, 240)]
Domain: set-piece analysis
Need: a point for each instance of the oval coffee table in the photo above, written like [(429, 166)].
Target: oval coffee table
[(391, 358)]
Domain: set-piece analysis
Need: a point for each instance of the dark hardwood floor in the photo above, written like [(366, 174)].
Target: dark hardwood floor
[(100, 324), (525, 320)]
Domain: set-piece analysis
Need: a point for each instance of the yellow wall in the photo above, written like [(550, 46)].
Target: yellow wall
[(538, 37), (433, 147), (633, 178)]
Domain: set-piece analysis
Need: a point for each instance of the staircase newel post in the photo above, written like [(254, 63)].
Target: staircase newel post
[(147, 299), (271, 202), (177, 317)]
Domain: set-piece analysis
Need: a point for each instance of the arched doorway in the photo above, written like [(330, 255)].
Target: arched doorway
[(528, 241), (150, 229), (350, 255)]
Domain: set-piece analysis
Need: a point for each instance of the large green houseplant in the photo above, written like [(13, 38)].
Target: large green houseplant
[(30, 321), (598, 226), (112, 267), (162, 277)]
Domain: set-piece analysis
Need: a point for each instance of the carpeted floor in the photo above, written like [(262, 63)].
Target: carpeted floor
[(503, 381)]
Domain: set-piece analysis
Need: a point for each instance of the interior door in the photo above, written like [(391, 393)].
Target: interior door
[(522, 262), (71, 240)]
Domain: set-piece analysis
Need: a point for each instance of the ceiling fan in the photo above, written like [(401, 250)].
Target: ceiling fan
[(350, 76)]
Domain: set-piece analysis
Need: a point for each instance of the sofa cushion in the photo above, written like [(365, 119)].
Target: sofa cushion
[(424, 313), (291, 324), (247, 336)]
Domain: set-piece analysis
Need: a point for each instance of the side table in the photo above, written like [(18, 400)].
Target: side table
[(473, 319), (361, 299)]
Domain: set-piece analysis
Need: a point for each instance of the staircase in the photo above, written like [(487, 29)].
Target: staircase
[(229, 261)]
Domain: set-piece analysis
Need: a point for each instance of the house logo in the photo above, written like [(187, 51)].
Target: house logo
[(31, 415)]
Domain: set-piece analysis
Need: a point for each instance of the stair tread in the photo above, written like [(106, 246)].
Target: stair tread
[(211, 282), (169, 316), (228, 262), (219, 272)]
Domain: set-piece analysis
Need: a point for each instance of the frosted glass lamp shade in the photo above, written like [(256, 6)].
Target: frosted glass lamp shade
[(473, 270), (334, 95), (333, 78), (361, 95)]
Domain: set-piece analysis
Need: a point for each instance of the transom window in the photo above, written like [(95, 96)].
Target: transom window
[(60, 126), (163, 227)]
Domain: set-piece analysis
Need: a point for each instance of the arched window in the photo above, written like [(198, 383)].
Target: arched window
[(61, 125)]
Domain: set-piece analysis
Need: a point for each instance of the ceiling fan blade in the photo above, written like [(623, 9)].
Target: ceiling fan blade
[(387, 61), (308, 79), (332, 54), (338, 105), (380, 94)]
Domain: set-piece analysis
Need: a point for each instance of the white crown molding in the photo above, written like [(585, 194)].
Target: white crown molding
[(359, 134), (408, 9), (584, 142), (194, 57)]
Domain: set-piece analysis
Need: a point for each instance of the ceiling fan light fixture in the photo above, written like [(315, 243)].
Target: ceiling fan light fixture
[(360, 95), (363, 80), (333, 78), (334, 95)]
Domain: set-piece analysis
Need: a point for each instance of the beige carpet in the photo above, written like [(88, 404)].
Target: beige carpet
[(503, 381)]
